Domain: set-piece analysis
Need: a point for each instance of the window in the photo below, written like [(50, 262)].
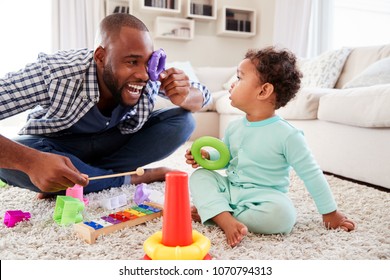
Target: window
[(361, 23), (25, 31)]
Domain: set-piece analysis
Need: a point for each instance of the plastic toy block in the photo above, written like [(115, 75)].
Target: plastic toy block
[(12, 217), (143, 194), (114, 202), (77, 191), (68, 210), (89, 231), (2, 184)]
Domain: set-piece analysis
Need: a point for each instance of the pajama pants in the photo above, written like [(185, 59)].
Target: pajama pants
[(262, 209)]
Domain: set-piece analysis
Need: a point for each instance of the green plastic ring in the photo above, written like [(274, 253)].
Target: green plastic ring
[(208, 141)]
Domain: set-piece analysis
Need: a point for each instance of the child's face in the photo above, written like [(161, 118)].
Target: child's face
[(243, 92)]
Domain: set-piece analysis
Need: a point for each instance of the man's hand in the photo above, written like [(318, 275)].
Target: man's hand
[(336, 220), (176, 85), (53, 173), (48, 172)]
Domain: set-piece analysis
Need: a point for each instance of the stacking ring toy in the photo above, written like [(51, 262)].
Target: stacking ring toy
[(155, 250), (156, 64), (208, 141)]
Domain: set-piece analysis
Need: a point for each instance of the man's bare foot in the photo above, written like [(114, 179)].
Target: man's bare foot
[(151, 175), (234, 230), (195, 215), (45, 195)]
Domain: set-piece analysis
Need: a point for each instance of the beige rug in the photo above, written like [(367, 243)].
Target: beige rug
[(41, 238)]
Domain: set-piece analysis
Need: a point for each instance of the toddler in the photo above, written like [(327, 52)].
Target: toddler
[(263, 147)]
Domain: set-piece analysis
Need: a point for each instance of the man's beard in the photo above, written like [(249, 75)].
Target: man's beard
[(112, 84)]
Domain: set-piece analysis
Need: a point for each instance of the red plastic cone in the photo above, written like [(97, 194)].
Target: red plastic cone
[(177, 226)]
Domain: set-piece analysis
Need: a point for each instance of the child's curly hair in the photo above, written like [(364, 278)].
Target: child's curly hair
[(279, 68)]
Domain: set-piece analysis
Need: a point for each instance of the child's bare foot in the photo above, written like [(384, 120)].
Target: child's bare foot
[(151, 175), (195, 215), (234, 230)]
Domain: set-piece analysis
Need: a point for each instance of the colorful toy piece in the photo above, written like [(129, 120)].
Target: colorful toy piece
[(156, 64), (208, 141), (68, 210), (177, 240), (91, 230), (114, 202), (12, 217), (2, 184), (144, 194), (77, 191)]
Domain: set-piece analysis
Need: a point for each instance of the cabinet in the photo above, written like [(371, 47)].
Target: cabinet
[(161, 6), (236, 22), (201, 9), (174, 28)]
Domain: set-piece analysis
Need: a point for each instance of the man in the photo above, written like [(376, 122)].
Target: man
[(92, 114)]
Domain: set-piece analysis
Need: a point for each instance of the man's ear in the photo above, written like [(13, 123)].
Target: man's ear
[(99, 55), (266, 91)]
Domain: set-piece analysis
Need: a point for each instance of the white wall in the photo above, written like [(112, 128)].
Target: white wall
[(208, 49)]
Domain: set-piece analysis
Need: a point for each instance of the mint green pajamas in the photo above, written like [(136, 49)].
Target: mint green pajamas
[(255, 187), (262, 210)]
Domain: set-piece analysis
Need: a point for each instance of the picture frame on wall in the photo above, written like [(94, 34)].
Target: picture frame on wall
[(118, 6)]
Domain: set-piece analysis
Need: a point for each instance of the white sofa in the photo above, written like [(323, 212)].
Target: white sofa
[(347, 129)]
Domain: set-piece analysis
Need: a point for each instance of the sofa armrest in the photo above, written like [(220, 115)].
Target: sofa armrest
[(363, 107)]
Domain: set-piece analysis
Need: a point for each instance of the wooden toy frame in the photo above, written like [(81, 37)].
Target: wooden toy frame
[(90, 231)]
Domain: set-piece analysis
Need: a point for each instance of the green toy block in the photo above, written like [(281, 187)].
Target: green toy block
[(2, 184), (68, 210)]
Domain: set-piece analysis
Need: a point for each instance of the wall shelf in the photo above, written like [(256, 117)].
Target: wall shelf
[(201, 9), (161, 6), (236, 22), (118, 6), (174, 28)]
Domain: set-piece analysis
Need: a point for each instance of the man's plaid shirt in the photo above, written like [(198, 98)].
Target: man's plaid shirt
[(61, 88)]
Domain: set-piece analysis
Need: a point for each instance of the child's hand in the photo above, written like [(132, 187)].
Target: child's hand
[(337, 219), (190, 158)]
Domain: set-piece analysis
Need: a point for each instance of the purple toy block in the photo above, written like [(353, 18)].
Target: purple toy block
[(12, 217)]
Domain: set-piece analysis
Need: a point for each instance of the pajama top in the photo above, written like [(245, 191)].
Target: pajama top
[(262, 154)]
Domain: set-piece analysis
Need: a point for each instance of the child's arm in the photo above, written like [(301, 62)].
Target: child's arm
[(336, 219), (303, 162)]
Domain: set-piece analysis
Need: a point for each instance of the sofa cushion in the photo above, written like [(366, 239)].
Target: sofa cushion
[(223, 106), (324, 70), (214, 77), (363, 106), (216, 96), (305, 104), (186, 67), (359, 59), (229, 82), (376, 74)]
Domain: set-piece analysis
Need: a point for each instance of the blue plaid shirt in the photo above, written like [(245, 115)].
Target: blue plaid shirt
[(61, 88)]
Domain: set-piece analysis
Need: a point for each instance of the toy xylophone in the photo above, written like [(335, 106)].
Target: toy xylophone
[(91, 230)]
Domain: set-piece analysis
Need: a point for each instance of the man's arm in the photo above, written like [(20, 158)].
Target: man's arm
[(178, 89), (49, 172)]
